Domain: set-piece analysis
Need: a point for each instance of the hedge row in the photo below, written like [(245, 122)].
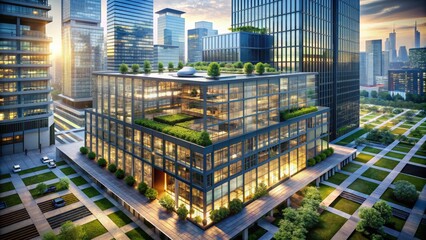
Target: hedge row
[(320, 157), (174, 118), (200, 138), (292, 113)]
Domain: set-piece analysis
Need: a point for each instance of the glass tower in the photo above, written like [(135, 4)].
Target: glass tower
[(130, 32), (26, 121), (314, 36), (171, 30), (195, 40), (374, 60), (82, 41)]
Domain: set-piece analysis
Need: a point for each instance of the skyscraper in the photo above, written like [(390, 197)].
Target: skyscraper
[(130, 32), (374, 54), (416, 36), (82, 45), (402, 54), (26, 121), (363, 69), (418, 58), (171, 30), (385, 63), (392, 46), (195, 40), (308, 37)]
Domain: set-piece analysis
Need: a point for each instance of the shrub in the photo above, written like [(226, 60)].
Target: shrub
[(91, 155), (327, 152), (213, 70), (50, 236), (142, 187), (130, 180), (119, 173), (84, 150), (160, 67), (151, 194), (311, 162), (70, 231), (198, 219), (135, 68), (112, 168), (182, 212), (102, 162), (219, 214), (167, 202), (322, 156), (173, 119), (248, 68), (317, 159), (260, 68), (180, 65), (292, 113), (41, 187), (384, 209), (405, 191), (261, 190), (170, 67), (235, 206), (146, 66), (331, 150), (238, 64), (64, 183), (123, 69)]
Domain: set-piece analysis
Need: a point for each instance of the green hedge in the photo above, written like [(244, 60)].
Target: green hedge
[(200, 138), (292, 113), (174, 118)]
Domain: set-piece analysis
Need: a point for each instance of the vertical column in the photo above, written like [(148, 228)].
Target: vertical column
[(245, 234), (288, 202), (317, 181), (176, 191)]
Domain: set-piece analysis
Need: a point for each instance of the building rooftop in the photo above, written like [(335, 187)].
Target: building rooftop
[(200, 78), (169, 10)]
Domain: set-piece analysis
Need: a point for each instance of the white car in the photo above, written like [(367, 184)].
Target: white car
[(51, 164), (16, 168), (45, 159)]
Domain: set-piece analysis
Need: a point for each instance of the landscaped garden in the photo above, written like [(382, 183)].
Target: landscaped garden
[(138, 234), (79, 181), (364, 158), (104, 204), (39, 178), (90, 192), (35, 169), (386, 163), (351, 167), (337, 178), (93, 229), (418, 182), (11, 200), (363, 186), (328, 225), (375, 174), (345, 205), (4, 187), (119, 218)]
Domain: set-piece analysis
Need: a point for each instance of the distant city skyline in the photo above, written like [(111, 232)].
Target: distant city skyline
[(378, 17)]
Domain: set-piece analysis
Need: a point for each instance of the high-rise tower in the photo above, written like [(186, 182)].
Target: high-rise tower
[(416, 36), (171, 30), (374, 56), (392, 46), (195, 40)]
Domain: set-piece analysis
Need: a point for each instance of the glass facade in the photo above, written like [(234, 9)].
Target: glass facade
[(241, 115), (165, 54), (195, 40), (129, 32), (171, 30), (313, 36), (237, 46), (24, 76), (407, 81), (82, 41)]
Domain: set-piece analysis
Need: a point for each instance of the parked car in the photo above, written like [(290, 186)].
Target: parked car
[(3, 205), (50, 189), (16, 168), (58, 202), (51, 164), (45, 159)]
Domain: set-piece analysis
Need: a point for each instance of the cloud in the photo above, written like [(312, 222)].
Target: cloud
[(388, 10)]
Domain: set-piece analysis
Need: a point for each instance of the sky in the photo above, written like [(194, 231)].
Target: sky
[(378, 18)]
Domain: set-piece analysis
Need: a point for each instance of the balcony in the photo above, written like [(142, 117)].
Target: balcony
[(33, 3), (25, 13)]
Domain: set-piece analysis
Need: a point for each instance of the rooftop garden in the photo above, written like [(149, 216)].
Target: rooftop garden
[(165, 124), (296, 112)]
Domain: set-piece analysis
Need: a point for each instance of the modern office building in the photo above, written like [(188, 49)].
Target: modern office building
[(392, 46), (26, 120), (416, 36), (195, 40), (314, 36), (171, 30), (418, 58), (363, 69), (82, 53), (385, 63), (402, 54), (165, 54), (407, 81), (130, 32), (374, 60), (239, 139), (237, 46)]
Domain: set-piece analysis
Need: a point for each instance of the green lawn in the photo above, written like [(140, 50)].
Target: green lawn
[(94, 229), (364, 158), (401, 149), (363, 186), (329, 224), (421, 231), (375, 174), (395, 155), (4, 187), (418, 182), (337, 178), (35, 169), (351, 167), (39, 178), (11, 200), (325, 190), (104, 204), (398, 131), (138, 234), (352, 137), (357, 236), (35, 195), (91, 192), (68, 171), (386, 163), (388, 196), (418, 160), (421, 153), (345, 205), (396, 223), (371, 150), (406, 125), (78, 181), (119, 218), (4, 176), (61, 163)]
